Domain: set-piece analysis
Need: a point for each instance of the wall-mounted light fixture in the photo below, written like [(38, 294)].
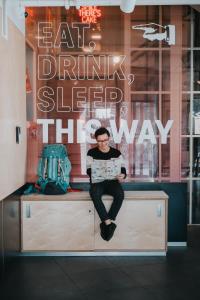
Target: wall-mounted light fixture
[(18, 133), (127, 6), (69, 3)]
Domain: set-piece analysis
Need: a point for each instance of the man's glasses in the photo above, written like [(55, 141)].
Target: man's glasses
[(102, 141)]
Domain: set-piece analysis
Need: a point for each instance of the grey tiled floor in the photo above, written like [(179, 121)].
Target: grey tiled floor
[(175, 277)]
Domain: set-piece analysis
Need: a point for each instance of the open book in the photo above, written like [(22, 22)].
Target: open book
[(105, 169)]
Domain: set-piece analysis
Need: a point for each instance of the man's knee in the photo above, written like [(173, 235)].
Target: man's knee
[(95, 191), (120, 195), (119, 192)]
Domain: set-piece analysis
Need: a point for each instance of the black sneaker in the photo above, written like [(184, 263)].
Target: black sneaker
[(103, 230), (109, 231)]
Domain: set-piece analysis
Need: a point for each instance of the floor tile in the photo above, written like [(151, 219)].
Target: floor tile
[(133, 293), (82, 264), (102, 280)]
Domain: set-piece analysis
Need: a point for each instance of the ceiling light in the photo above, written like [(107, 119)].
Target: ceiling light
[(116, 59), (39, 37), (96, 36), (87, 49)]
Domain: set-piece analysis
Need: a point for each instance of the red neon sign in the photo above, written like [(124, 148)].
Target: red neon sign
[(89, 14)]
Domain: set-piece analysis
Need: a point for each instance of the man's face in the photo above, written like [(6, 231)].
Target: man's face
[(103, 141)]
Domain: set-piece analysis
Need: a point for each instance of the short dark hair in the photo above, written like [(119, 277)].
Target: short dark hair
[(100, 131)]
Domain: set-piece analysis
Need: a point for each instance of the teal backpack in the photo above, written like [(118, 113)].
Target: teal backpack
[(53, 170)]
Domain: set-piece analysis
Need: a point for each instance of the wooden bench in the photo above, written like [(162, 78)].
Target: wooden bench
[(70, 223)]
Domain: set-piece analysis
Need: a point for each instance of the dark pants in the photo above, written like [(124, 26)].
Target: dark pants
[(109, 187)]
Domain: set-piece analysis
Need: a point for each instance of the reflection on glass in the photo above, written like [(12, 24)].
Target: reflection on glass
[(196, 157), (186, 32), (165, 20), (166, 15), (165, 159), (145, 65), (196, 26), (186, 70), (185, 157), (196, 70), (145, 155), (166, 70), (145, 107), (196, 114), (145, 160), (185, 114), (165, 108)]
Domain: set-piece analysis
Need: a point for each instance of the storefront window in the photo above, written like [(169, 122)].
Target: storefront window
[(136, 71), (117, 69)]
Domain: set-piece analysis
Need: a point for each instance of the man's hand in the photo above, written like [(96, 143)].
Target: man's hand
[(121, 176)]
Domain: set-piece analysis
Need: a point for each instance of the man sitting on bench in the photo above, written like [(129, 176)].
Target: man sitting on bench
[(106, 169)]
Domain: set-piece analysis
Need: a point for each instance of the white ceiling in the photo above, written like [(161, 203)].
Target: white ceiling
[(107, 2)]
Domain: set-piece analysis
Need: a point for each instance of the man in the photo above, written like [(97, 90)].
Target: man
[(105, 181)]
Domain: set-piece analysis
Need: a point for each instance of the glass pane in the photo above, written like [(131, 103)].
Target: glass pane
[(145, 107), (196, 203), (145, 160), (144, 15), (186, 32), (166, 70), (165, 164), (185, 157), (197, 26), (196, 70), (196, 114), (165, 22), (112, 29), (185, 114), (145, 67), (186, 70), (196, 157), (165, 109)]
